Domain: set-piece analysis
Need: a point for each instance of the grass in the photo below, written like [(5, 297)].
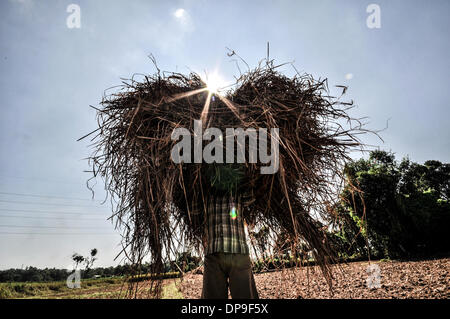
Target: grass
[(171, 291), (102, 288)]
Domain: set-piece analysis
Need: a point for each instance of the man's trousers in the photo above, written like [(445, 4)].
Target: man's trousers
[(223, 270)]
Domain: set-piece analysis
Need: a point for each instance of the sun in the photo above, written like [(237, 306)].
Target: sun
[(179, 13), (214, 83)]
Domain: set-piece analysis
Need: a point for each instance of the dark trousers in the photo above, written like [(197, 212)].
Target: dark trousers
[(223, 270)]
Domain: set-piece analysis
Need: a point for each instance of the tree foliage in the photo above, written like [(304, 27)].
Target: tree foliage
[(402, 212)]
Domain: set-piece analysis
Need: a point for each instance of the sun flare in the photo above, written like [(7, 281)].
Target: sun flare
[(214, 83)]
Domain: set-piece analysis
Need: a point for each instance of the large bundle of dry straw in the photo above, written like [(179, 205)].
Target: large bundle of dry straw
[(154, 197)]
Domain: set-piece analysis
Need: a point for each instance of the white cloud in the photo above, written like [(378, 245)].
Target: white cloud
[(349, 76), (179, 13), (184, 19)]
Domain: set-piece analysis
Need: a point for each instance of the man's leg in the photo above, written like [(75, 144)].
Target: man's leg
[(215, 285), (242, 283)]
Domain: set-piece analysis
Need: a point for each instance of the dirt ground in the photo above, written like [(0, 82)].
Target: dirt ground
[(414, 279)]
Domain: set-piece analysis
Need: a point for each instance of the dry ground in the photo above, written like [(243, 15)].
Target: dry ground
[(414, 279)]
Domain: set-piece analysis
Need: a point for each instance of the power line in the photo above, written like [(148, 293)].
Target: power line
[(46, 212), (47, 196), (47, 204), (40, 180), (42, 217), (76, 234), (53, 227)]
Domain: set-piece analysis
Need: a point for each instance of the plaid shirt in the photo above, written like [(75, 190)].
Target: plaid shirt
[(225, 228)]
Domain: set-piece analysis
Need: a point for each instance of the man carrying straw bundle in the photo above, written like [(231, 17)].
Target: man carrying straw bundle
[(163, 206)]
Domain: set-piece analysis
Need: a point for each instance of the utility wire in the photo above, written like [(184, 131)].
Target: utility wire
[(47, 212), (76, 234), (47, 204), (42, 217), (56, 227), (40, 180), (47, 196)]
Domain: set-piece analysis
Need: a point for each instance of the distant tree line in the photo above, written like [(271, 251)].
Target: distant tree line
[(184, 261), (33, 274)]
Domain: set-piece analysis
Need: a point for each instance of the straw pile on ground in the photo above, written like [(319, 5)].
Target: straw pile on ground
[(153, 197)]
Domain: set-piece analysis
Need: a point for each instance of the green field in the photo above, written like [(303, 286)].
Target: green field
[(103, 288)]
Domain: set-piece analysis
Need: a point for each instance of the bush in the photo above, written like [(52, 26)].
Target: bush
[(5, 292)]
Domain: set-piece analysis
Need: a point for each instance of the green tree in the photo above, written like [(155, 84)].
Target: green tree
[(87, 261), (406, 207)]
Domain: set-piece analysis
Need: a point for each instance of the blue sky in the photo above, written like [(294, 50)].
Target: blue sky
[(50, 74)]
